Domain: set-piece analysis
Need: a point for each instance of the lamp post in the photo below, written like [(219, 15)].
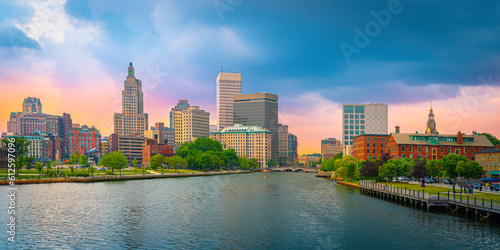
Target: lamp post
[(162, 167), (120, 169)]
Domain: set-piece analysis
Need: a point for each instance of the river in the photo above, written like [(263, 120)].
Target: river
[(243, 211)]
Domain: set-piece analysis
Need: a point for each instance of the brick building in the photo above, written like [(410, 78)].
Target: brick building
[(435, 146), (84, 139), (369, 146)]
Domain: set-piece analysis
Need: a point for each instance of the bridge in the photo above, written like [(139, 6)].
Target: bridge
[(293, 169)]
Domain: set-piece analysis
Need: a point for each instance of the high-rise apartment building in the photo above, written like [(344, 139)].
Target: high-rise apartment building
[(283, 142), (247, 141), (360, 119), (189, 122), (130, 146), (228, 85), (132, 120), (330, 147), (292, 148), (259, 109)]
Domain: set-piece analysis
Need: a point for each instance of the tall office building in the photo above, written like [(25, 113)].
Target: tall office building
[(259, 109), (189, 122), (132, 120), (292, 149), (228, 85), (360, 119), (283, 142)]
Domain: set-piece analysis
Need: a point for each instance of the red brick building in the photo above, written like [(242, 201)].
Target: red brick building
[(435, 146), (368, 146), (83, 139)]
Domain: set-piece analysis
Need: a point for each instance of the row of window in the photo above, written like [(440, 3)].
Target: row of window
[(354, 127), (354, 121), (434, 150)]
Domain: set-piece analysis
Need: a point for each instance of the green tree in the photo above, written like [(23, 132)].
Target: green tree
[(91, 170), (71, 168), (83, 160), (435, 168), (156, 161), (468, 169), (244, 163), (328, 165), (388, 170), (450, 163), (338, 156), (20, 144), (115, 160), (341, 166), (352, 172), (39, 167), (28, 161), (271, 164), (48, 167), (134, 162), (404, 166), (230, 158)]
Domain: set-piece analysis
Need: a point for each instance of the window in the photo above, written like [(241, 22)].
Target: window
[(373, 138), (368, 151), (351, 116), (348, 109), (362, 116), (351, 122), (472, 151), (442, 150), (411, 156), (346, 126), (472, 158), (403, 156), (357, 121), (357, 132), (346, 121), (362, 132), (346, 116), (362, 121), (357, 126), (374, 151), (426, 149), (381, 151), (411, 149), (346, 137), (351, 132), (373, 144), (367, 138), (433, 157), (449, 150), (465, 150), (403, 148), (352, 126), (346, 132), (357, 116), (457, 151), (360, 109), (368, 145), (362, 126)]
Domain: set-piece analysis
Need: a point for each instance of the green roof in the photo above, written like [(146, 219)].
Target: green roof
[(494, 173)]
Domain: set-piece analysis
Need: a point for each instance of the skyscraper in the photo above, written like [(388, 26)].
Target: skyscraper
[(292, 149), (228, 85), (132, 120), (189, 122), (283, 142), (259, 109), (360, 119)]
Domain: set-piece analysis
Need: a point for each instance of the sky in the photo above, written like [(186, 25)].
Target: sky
[(316, 55)]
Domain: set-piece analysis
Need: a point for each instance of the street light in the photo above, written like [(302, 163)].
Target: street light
[(120, 169)]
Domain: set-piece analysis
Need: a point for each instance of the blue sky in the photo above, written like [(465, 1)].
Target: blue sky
[(433, 50)]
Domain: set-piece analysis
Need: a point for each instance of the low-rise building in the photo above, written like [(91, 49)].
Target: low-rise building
[(490, 160), (84, 139), (104, 146), (330, 147), (435, 146), (247, 141), (158, 145), (307, 159), (129, 146), (42, 145), (368, 146)]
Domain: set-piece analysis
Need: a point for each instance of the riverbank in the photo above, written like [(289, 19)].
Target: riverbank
[(119, 178), (349, 184)]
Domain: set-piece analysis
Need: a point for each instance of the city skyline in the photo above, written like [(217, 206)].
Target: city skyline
[(75, 61)]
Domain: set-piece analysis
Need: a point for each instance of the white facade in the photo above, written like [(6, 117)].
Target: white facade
[(359, 119), (228, 85)]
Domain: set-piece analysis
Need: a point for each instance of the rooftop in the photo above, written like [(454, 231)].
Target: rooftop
[(441, 139)]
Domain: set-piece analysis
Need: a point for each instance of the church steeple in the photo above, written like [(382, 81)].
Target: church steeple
[(431, 123)]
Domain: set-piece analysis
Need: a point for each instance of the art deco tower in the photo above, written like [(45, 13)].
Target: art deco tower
[(132, 120)]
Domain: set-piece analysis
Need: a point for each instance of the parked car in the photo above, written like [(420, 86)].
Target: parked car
[(495, 187), (101, 168), (448, 182), (476, 185)]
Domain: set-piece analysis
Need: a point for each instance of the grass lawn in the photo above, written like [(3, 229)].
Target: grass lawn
[(170, 171), (442, 190)]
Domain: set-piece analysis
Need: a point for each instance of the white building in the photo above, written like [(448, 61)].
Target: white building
[(359, 119), (228, 85)]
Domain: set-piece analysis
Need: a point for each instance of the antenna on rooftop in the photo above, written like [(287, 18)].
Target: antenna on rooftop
[(222, 69)]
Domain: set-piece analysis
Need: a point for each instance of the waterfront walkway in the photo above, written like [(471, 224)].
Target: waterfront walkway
[(453, 202)]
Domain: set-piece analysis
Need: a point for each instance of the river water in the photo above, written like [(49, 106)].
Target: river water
[(243, 211)]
